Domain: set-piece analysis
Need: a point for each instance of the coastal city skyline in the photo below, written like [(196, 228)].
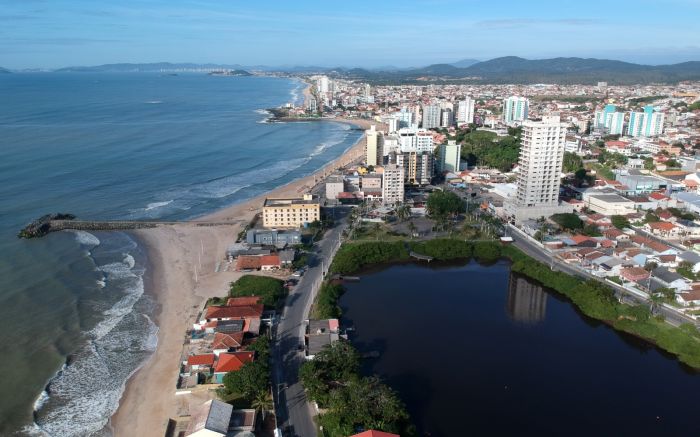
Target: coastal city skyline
[(361, 219), (75, 32)]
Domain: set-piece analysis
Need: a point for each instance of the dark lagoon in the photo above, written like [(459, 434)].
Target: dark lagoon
[(477, 350)]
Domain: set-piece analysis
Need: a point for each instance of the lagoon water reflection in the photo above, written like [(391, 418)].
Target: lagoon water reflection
[(476, 350)]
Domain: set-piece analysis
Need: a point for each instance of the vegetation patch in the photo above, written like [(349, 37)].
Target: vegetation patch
[(269, 289), (351, 401)]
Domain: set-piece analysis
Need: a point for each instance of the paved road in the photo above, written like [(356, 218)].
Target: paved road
[(545, 257), (295, 415)]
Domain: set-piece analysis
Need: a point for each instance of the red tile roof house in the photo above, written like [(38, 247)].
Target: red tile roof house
[(224, 342), (662, 229), (248, 262), (198, 363), (634, 274), (251, 314), (270, 262), (373, 433), (231, 362)]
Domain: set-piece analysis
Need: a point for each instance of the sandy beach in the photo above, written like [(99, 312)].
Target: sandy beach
[(174, 253)]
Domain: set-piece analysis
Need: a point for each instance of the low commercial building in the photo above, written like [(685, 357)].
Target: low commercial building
[(273, 237), (609, 204), (291, 213)]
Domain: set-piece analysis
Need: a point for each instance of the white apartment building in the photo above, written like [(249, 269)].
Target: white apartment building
[(392, 184), (373, 149), (465, 111), (646, 124), (431, 116), (515, 110), (450, 156), (415, 140), (540, 162)]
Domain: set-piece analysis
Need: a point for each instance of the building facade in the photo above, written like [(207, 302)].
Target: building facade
[(415, 140), (465, 111), (418, 167), (373, 149), (392, 184), (431, 116), (646, 124), (450, 155), (515, 110), (540, 162), (291, 213)]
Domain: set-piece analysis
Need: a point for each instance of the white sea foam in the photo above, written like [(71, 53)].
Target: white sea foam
[(41, 400), (129, 260), (86, 238), (82, 397), (156, 205), (153, 102), (101, 283)]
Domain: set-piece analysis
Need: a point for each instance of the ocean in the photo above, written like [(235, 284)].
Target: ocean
[(75, 318)]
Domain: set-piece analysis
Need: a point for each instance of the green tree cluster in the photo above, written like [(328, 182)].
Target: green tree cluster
[(567, 221), (353, 402), (326, 305), (269, 289), (620, 221), (443, 204), (252, 380), (351, 257), (487, 149), (572, 162)]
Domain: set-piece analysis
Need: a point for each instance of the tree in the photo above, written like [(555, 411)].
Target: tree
[(580, 175), (442, 204), (249, 380), (591, 230), (648, 163), (403, 211), (568, 221), (572, 162), (262, 401), (412, 228), (367, 403), (620, 221)]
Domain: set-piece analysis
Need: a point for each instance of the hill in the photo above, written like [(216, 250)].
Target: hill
[(4, 70), (513, 69), (465, 63)]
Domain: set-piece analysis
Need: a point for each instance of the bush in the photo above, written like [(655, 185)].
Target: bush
[(568, 221), (443, 249), (326, 305), (270, 290), (351, 257), (487, 252)]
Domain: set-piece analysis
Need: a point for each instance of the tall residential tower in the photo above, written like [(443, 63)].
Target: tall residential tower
[(540, 162)]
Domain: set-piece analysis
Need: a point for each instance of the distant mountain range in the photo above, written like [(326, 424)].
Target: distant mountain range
[(464, 63), (3, 70), (148, 68), (512, 69), (509, 69)]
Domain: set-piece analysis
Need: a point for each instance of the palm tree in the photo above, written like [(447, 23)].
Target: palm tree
[(411, 228), (262, 402)]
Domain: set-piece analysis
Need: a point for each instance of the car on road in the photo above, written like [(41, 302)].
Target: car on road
[(298, 274)]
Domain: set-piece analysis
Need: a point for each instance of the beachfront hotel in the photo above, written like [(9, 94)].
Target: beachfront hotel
[(291, 213)]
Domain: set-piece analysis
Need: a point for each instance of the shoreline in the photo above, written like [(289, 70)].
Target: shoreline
[(173, 253)]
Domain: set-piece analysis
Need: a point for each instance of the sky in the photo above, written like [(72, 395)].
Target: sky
[(351, 33)]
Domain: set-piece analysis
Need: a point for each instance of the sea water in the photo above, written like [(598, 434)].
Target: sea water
[(75, 320)]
